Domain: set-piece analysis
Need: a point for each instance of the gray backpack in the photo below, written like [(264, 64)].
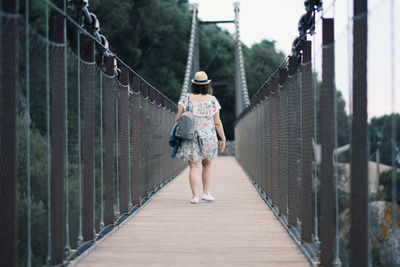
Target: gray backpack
[(185, 129)]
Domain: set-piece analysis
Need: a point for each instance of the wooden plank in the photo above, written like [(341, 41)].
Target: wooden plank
[(238, 229)]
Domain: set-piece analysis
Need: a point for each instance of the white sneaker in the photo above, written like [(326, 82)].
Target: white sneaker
[(194, 200), (208, 197)]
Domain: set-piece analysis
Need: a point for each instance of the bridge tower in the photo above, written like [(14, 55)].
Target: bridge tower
[(193, 61), (242, 94)]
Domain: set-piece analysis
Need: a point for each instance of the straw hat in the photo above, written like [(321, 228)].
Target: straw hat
[(201, 78)]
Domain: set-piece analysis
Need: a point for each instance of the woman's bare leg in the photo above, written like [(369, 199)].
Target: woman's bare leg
[(194, 173), (206, 175)]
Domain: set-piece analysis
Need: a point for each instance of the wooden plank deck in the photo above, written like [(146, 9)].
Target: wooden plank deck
[(238, 229)]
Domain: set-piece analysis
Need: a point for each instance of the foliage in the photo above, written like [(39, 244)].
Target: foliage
[(341, 115), (151, 36), (155, 40), (342, 120), (380, 129), (261, 60), (385, 180), (217, 58), (38, 185)]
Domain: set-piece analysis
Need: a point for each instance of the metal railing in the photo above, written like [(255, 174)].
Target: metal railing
[(273, 144), (84, 139), (286, 142)]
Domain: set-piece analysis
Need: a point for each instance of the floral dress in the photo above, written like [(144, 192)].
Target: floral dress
[(204, 124)]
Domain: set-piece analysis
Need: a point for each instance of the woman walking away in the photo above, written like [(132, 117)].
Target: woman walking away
[(199, 153)]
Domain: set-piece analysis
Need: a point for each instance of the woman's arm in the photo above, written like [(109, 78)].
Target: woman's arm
[(179, 113), (220, 130)]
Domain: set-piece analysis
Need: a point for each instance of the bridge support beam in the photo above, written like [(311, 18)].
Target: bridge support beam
[(8, 141), (359, 140), (328, 138)]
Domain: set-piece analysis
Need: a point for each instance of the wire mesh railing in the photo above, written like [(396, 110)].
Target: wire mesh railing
[(312, 138), (83, 138)]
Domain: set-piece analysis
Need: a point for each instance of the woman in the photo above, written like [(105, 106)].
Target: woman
[(205, 108)]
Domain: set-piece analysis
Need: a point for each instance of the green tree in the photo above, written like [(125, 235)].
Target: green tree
[(342, 120), (385, 179), (154, 41), (380, 132), (150, 36), (341, 117), (261, 60), (217, 58)]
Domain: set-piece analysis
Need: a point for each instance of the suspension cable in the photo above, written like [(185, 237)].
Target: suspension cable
[(189, 63), (242, 72)]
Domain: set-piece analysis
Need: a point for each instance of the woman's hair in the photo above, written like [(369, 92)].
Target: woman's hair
[(202, 89)]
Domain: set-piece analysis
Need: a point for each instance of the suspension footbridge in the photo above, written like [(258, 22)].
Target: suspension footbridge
[(86, 177)]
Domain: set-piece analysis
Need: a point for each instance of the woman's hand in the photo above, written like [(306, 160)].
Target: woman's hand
[(222, 146)]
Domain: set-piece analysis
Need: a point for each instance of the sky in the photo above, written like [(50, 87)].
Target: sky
[(277, 20)]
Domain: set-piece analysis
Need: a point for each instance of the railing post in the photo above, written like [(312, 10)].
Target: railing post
[(275, 141), (268, 144), (327, 142), (144, 123), (149, 137), (260, 162), (123, 141), (8, 142), (359, 140), (57, 86), (292, 142), (263, 122), (109, 140), (164, 140), (135, 141), (283, 134), (88, 87), (306, 150), (158, 135)]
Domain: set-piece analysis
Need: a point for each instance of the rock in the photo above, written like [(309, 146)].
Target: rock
[(385, 240)]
